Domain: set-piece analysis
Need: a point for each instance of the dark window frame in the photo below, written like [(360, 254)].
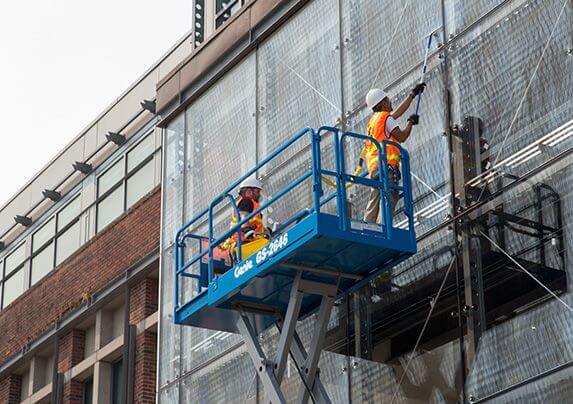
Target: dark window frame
[(54, 239), (5, 272), (7, 278), (127, 174)]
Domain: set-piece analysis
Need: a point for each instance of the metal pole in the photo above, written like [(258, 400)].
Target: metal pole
[(424, 68), (448, 124)]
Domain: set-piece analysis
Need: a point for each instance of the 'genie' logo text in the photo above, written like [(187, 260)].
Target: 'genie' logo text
[(263, 255), (243, 268)]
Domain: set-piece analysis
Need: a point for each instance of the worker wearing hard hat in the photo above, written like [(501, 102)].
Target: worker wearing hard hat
[(383, 126), (249, 196), (254, 234)]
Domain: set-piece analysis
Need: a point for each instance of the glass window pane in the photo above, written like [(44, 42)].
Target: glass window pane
[(369, 62), (67, 243), (13, 287), (286, 66), (290, 75), (110, 178), (140, 152), (524, 117), (117, 386), (88, 391), (109, 208), (140, 183), (44, 234), (15, 258), (42, 263), (234, 96), (460, 14), (69, 213)]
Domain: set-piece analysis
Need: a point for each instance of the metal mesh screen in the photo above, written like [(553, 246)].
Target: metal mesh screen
[(221, 136), (220, 146), (299, 79), (231, 379), (382, 41), (173, 180), (554, 388), (460, 14), (541, 339), (170, 334), (431, 378), (169, 349), (514, 73), (200, 345), (304, 75)]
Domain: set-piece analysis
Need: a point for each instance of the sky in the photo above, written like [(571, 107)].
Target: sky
[(62, 62)]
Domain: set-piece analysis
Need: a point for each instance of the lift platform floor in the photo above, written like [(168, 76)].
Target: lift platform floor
[(316, 246)]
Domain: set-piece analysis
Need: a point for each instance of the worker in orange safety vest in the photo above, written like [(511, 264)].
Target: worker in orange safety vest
[(249, 196), (383, 126), (253, 232)]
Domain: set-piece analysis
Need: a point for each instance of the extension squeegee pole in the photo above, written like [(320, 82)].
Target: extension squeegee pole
[(424, 68)]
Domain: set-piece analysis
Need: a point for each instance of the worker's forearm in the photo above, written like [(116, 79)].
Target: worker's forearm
[(403, 107), (406, 132)]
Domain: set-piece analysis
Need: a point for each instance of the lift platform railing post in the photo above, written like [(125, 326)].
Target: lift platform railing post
[(408, 198), (386, 193), (179, 262), (340, 186), (238, 232), (317, 168)]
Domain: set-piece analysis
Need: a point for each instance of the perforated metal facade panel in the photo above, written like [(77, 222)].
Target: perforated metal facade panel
[(508, 63)]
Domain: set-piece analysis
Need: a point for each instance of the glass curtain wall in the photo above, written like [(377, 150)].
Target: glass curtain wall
[(508, 63)]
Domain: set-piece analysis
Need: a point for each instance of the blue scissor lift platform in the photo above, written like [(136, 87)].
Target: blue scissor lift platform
[(311, 260)]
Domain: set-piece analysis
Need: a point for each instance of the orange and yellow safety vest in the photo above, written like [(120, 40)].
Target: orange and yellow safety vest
[(377, 130), (256, 221)]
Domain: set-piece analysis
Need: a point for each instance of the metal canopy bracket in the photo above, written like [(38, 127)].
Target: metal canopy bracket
[(272, 372)]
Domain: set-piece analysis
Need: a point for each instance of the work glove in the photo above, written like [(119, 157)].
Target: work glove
[(250, 234), (358, 171), (228, 244), (246, 229), (414, 119), (419, 89)]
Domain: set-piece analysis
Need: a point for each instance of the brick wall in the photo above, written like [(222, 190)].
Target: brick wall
[(128, 240), (71, 352), (143, 300), (10, 388), (71, 348), (73, 392), (145, 364)]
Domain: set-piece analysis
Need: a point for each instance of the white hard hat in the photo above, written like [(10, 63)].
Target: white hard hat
[(251, 182), (374, 97)]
